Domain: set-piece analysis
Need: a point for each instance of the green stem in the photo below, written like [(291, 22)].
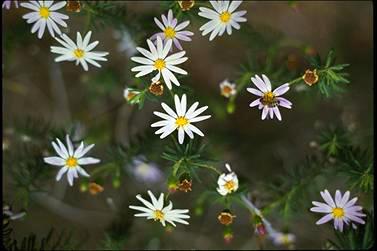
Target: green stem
[(242, 83), (297, 80), (101, 169), (210, 168)]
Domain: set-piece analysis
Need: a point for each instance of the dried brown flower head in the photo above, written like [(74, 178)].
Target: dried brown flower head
[(186, 5), (156, 88), (225, 217), (310, 77), (73, 6), (185, 185)]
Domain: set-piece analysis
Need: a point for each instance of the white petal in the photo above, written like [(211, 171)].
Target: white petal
[(57, 161), (57, 6), (234, 5), (169, 110), (145, 202), (168, 129), (61, 172), (82, 171), (195, 129), (59, 151), (181, 135), (196, 113), (200, 118), (87, 161), (83, 152), (163, 115)]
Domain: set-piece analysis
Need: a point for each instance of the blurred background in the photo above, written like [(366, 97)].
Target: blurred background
[(36, 87)]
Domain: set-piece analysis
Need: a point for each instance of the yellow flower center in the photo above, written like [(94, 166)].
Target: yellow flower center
[(269, 99), (229, 185), (158, 215), (44, 12), (78, 53), (71, 162), (338, 212), (169, 32), (225, 16), (181, 121), (159, 64)]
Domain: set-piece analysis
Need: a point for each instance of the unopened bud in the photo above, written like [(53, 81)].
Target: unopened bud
[(116, 182)]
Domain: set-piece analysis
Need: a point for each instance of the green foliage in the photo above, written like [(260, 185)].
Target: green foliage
[(347, 160), (357, 164), (331, 75), (187, 157), (333, 139), (104, 13), (51, 241), (361, 238)]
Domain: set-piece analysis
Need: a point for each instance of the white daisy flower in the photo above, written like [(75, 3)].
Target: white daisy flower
[(227, 89), (342, 210), (44, 14), (156, 59), (228, 183), (283, 238), (80, 51), (222, 18), (157, 211), (269, 100), (181, 120), (70, 160), (171, 30)]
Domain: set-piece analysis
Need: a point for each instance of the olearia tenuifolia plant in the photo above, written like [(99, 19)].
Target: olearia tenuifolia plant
[(33, 149)]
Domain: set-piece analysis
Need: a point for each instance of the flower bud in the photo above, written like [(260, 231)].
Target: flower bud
[(228, 235), (230, 107), (116, 182), (260, 229), (84, 186)]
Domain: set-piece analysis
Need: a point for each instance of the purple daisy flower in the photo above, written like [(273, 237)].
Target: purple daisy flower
[(269, 100), (172, 31), (342, 210)]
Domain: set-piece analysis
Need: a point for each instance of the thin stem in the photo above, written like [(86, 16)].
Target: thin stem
[(210, 168), (242, 83), (292, 82), (253, 209)]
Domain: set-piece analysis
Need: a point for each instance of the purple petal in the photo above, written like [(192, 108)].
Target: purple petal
[(281, 89), (284, 102)]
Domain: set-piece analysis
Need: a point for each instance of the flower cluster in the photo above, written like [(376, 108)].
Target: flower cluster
[(44, 14)]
